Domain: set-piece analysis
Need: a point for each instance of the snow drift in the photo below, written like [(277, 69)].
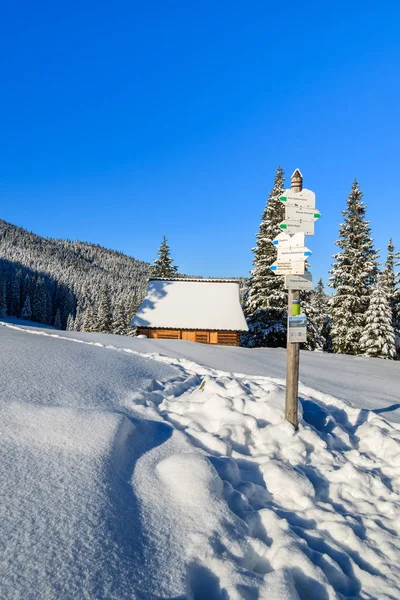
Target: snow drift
[(130, 476)]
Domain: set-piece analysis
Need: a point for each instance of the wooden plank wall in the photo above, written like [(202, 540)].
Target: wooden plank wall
[(220, 338)]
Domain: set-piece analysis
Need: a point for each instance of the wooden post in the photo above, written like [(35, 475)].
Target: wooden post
[(293, 348)]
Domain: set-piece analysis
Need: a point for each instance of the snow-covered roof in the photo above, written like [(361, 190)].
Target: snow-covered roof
[(191, 304)]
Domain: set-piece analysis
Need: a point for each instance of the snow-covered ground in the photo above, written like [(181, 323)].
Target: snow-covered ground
[(369, 383), (124, 475)]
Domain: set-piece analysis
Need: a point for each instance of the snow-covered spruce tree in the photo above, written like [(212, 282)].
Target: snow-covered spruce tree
[(396, 301), (27, 288), (26, 312), (352, 276), (104, 320), (378, 337), (315, 306), (119, 319), (39, 303), (132, 309), (265, 304), (57, 319), (3, 299), (315, 340), (389, 277), (89, 320), (14, 308), (320, 303), (70, 323), (163, 265)]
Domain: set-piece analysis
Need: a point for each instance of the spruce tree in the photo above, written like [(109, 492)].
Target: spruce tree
[(104, 320), (314, 337), (163, 265), (26, 288), (15, 299), (320, 304), (396, 300), (70, 323), (26, 312), (3, 299), (39, 304), (352, 276), (57, 319), (378, 339), (266, 299), (78, 321), (119, 320), (315, 340), (133, 304), (89, 320), (389, 278)]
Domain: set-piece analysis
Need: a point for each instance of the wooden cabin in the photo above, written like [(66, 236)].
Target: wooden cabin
[(197, 310)]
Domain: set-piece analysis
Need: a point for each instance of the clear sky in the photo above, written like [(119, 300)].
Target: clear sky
[(122, 121)]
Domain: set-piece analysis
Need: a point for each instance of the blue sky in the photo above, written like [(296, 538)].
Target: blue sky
[(124, 121)]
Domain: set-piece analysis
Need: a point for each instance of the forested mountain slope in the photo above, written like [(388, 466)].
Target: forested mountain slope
[(68, 282)]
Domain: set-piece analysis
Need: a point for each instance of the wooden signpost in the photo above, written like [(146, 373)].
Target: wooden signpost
[(300, 216)]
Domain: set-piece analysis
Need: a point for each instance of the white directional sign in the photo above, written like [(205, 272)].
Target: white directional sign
[(301, 213), (291, 227), (284, 240), (293, 254), (297, 329), (299, 282), (304, 198), (288, 267)]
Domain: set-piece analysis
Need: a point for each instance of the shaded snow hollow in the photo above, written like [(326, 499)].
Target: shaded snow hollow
[(125, 475)]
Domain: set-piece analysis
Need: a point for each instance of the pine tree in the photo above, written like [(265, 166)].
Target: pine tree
[(352, 276), (57, 319), (378, 337), (119, 320), (163, 265), (26, 312), (3, 299), (266, 299), (104, 320)]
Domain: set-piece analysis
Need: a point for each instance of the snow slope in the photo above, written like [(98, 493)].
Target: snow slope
[(128, 476), (368, 383)]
